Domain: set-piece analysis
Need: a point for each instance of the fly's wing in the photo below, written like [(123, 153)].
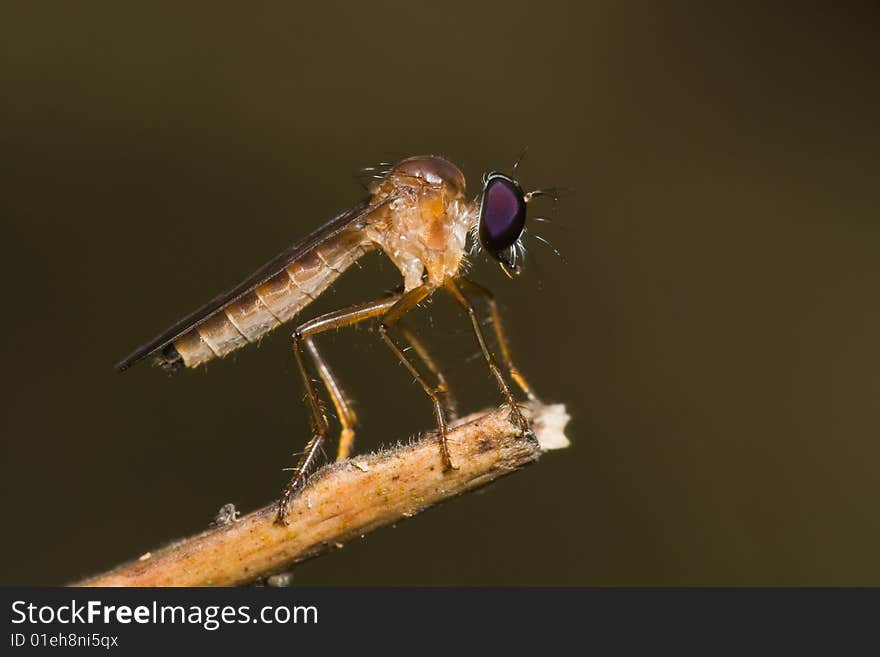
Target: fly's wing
[(291, 254)]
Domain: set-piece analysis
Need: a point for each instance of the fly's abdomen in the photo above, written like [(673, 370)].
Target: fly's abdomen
[(272, 303)]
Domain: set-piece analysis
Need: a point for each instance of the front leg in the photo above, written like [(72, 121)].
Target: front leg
[(515, 412), (501, 336)]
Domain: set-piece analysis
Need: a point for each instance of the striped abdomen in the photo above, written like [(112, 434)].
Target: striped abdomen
[(270, 304)]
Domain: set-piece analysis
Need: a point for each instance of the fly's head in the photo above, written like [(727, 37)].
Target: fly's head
[(502, 220)]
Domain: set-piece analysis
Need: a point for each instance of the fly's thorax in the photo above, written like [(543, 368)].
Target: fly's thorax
[(425, 227)]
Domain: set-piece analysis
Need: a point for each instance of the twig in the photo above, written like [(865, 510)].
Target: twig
[(346, 500)]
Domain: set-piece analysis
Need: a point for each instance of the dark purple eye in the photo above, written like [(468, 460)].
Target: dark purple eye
[(502, 214)]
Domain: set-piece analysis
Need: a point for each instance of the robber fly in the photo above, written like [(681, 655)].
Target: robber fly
[(418, 215)]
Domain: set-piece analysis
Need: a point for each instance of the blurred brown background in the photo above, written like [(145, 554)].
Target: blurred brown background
[(714, 330)]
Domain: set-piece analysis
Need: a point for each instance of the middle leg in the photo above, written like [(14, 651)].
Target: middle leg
[(407, 302), (341, 401), (448, 399)]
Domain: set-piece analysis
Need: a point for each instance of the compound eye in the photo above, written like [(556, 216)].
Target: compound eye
[(502, 214)]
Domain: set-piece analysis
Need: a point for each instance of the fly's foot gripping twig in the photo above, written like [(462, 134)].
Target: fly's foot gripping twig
[(442, 433), (444, 452), (519, 419), (297, 483), (282, 506)]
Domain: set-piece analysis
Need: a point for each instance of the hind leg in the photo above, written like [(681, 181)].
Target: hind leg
[(302, 337)]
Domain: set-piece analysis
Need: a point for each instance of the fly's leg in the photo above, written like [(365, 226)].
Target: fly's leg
[(503, 345), (515, 412), (449, 402), (303, 336), (406, 303), (319, 431), (344, 411)]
